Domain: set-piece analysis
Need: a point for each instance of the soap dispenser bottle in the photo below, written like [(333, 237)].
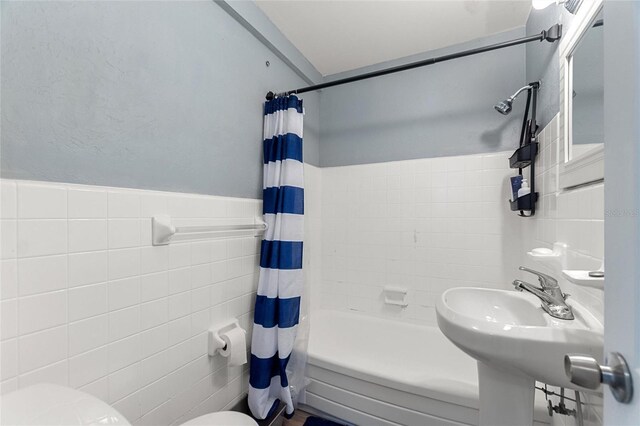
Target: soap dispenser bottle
[(524, 188)]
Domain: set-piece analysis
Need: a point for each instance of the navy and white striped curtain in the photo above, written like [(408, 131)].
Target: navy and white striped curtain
[(277, 309)]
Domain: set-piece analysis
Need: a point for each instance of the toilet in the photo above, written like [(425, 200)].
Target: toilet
[(222, 418), (54, 405)]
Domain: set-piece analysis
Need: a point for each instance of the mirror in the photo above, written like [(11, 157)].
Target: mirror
[(587, 92), (581, 57)]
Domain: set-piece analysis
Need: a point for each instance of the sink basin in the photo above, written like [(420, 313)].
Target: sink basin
[(515, 342)]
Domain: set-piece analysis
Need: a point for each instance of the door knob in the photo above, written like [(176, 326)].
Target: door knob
[(585, 371)]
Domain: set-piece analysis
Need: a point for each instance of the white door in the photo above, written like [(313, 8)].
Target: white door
[(622, 198)]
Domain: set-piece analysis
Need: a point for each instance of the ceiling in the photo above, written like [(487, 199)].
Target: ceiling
[(337, 36)]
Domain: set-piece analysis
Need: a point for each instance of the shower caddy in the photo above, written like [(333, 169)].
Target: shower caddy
[(525, 156)]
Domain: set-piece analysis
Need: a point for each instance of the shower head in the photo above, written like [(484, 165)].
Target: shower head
[(504, 107)]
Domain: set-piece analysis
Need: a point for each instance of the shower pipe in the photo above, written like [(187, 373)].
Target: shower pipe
[(551, 35)]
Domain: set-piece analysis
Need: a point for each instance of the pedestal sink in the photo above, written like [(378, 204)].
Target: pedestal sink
[(515, 343)]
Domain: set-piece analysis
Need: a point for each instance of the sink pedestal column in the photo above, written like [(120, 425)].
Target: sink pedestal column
[(506, 399)]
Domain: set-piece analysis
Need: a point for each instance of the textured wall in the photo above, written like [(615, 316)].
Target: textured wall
[(154, 95), (441, 110)]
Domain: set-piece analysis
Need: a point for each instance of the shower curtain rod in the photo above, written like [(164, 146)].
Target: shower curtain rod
[(552, 34)]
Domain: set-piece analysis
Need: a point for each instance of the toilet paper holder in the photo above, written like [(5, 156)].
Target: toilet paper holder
[(215, 341)]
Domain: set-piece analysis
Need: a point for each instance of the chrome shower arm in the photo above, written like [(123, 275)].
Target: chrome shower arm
[(522, 89)]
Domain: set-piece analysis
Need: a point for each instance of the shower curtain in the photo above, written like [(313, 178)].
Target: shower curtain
[(277, 308)]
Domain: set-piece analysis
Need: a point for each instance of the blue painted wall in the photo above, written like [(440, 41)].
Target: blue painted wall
[(439, 110), (168, 96), (542, 59), (154, 95)]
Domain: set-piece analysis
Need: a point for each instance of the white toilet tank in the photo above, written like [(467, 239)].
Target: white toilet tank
[(53, 405)]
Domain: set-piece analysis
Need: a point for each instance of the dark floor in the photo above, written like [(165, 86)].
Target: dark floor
[(297, 420)]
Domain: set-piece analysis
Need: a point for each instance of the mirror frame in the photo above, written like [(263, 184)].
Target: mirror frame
[(589, 167)]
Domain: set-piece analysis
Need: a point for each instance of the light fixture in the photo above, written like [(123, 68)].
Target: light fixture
[(571, 5)]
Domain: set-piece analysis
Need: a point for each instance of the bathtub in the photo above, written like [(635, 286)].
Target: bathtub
[(370, 371)]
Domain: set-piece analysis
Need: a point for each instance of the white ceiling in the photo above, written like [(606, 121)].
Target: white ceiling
[(337, 36)]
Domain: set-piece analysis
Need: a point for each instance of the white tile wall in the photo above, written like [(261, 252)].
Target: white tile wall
[(432, 224), (425, 225), (87, 302), (574, 217)]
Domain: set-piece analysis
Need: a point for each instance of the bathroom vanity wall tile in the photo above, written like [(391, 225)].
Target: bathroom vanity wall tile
[(8, 200), (41, 237), (57, 373), (42, 311), (41, 201), (129, 406), (88, 302), (42, 274), (8, 359), (124, 204), (88, 367), (124, 263), (124, 382), (87, 204), (88, 334), (8, 279), (574, 217), (124, 233), (99, 389), (41, 349), (87, 235), (124, 323), (154, 286), (87, 268), (8, 238), (8, 319), (154, 340)]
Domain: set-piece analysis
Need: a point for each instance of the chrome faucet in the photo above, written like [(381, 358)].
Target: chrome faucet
[(549, 292)]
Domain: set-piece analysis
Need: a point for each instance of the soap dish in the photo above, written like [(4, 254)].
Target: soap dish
[(545, 255), (582, 278)]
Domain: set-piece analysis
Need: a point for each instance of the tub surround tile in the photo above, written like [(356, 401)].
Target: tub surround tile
[(427, 226), (432, 224)]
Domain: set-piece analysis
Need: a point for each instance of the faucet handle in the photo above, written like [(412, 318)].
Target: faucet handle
[(545, 280), (521, 285)]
